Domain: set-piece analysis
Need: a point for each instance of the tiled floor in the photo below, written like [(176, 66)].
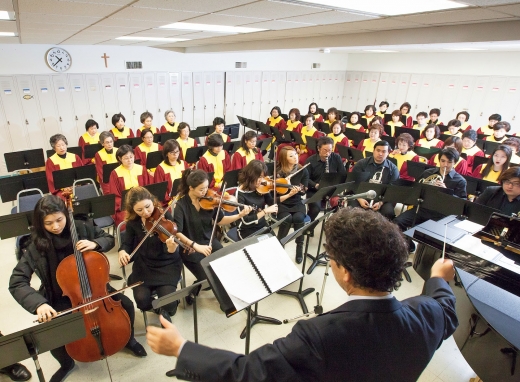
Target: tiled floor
[(215, 329)]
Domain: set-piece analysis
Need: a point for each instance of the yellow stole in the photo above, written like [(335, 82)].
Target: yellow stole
[(249, 157), (472, 151), (129, 176), (336, 139), (147, 150), (224, 136), (154, 129), (174, 171), (185, 145), (368, 145), (492, 176), (486, 130), (351, 126), (493, 139), (306, 133), (380, 114), (438, 163), (118, 134), (218, 164), (171, 128), (106, 157), (292, 125), (402, 158), (428, 144), (273, 121), (89, 139), (329, 122), (63, 163), (369, 119)]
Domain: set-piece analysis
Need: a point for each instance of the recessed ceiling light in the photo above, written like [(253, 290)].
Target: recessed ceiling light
[(465, 49), (210, 28), (382, 7), (7, 34), (138, 38), (4, 15), (380, 51)]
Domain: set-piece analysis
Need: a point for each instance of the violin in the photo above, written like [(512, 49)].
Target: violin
[(164, 228), (267, 184), (228, 202)]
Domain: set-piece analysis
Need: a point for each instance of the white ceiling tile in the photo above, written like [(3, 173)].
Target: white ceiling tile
[(123, 30), (487, 3), (6, 5), (155, 33), (112, 42), (270, 10), (57, 19), (191, 5), (388, 23), (143, 24), (224, 20), (103, 2), (43, 27), (62, 8), (197, 35), (8, 26), (162, 15), (508, 9), (276, 25), (9, 40), (473, 14), (328, 17)]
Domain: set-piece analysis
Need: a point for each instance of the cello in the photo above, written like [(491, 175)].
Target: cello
[(83, 278)]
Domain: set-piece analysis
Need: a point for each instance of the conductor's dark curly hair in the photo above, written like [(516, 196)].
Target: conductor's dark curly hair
[(369, 246)]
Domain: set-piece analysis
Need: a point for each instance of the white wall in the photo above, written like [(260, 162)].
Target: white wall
[(466, 63), (30, 59)]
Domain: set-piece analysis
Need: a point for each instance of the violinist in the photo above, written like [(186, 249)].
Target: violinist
[(172, 167), (91, 137), (148, 146), (216, 160), (157, 264), (120, 130), (250, 179), (104, 156), (50, 243), (290, 204), (61, 160), (169, 125), (185, 142), (195, 224), (247, 151)]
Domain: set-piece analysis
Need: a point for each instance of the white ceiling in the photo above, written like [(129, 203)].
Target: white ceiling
[(289, 26)]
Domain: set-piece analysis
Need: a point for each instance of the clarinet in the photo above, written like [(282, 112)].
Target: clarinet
[(327, 165)]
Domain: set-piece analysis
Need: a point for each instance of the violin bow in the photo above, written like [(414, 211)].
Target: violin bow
[(274, 178), (93, 301), (149, 232), (216, 218)]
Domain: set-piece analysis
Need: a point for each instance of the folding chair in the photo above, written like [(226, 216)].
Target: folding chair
[(89, 190)]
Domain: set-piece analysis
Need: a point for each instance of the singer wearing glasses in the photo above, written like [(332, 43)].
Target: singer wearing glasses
[(505, 197)]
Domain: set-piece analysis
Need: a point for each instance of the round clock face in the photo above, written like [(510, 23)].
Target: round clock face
[(58, 59)]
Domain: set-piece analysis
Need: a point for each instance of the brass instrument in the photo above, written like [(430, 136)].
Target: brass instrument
[(377, 177), (434, 178)]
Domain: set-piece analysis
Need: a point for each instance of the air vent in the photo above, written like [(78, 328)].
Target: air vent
[(242, 65), (134, 64), (316, 65)]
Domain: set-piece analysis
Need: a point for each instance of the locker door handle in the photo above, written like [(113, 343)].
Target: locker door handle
[(43, 119), (194, 108), (106, 115), (91, 116), (183, 108), (159, 110), (76, 117), (215, 106), (204, 107), (26, 122), (61, 120), (481, 114), (134, 112), (9, 123)]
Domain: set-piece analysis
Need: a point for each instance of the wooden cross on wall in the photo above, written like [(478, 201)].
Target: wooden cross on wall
[(105, 57)]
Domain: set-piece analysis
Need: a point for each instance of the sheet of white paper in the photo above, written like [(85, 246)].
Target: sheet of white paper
[(273, 263), (473, 245), (238, 277), (468, 226)]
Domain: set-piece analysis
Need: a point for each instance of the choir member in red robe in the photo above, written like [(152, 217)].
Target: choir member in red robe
[(148, 146), (215, 160), (184, 140), (332, 116), (500, 129), (370, 112), (247, 151), (395, 122), (462, 164), (106, 155), (488, 130), (308, 131), (170, 125), (218, 125), (91, 137), (405, 110), (293, 124), (454, 128), (498, 163), (313, 109), (146, 119), (463, 117), (434, 117), (514, 144), (383, 108), (171, 168), (374, 135), (124, 177), (470, 148), (431, 138), (338, 136), (60, 160), (403, 153), (120, 130)]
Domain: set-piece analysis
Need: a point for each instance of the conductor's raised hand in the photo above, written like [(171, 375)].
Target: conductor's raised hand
[(444, 269), (124, 258), (167, 341)]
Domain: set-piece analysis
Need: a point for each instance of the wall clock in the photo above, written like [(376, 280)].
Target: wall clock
[(58, 59)]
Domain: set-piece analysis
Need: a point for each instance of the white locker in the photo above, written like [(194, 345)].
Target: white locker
[(110, 100), (176, 96), (163, 96), (392, 88), (80, 102), (289, 90), (332, 91), (44, 92), (382, 88), (363, 91), (492, 102), (297, 94), (239, 95), (136, 99), (476, 102), (150, 98), (402, 89), (280, 90), (323, 100), (273, 90), (248, 94), (187, 98), (413, 90), (27, 93), (435, 99), (95, 101), (466, 85), (257, 95), (209, 98), (14, 122), (230, 98), (218, 101), (124, 102), (340, 83), (265, 105), (198, 99), (5, 140), (372, 89), (450, 89), (509, 106), (65, 108), (353, 83), (426, 86), (316, 85), (308, 84)]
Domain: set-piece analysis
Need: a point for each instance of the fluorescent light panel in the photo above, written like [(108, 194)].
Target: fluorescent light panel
[(7, 34), (4, 15), (380, 51), (138, 38), (383, 7), (210, 28), (465, 49)]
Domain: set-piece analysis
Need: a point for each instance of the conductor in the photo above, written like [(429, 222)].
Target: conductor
[(372, 337)]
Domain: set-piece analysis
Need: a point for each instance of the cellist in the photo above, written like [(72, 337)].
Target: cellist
[(50, 243)]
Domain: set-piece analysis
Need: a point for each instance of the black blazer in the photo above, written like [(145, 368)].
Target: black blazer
[(362, 340)]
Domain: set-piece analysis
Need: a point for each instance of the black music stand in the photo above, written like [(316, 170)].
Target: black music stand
[(323, 127), (312, 144), (242, 120), (86, 172), (176, 183), (406, 195), (428, 195), (156, 189), (356, 154), (426, 152), (356, 136), (167, 136), (200, 131), (10, 186), (293, 137), (332, 179), (64, 178), (477, 161), (27, 159), (193, 154), (107, 170), (490, 146), (153, 159), (14, 225), (416, 169), (231, 147), (445, 204), (471, 185), (231, 178), (305, 230), (96, 207), (416, 134), (343, 152), (389, 139), (251, 124), (39, 339), (263, 144), (91, 150), (127, 141)]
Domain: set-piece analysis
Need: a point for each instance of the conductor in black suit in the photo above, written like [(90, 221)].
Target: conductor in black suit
[(372, 337)]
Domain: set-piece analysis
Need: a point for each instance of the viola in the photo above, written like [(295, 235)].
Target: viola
[(164, 228), (83, 277), (213, 200)]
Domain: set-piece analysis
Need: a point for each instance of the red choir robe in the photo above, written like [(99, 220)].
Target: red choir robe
[(87, 139), (369, 119), (329, 122), (402, 164), (409, 120), (185, 145), (291, 126), (154, 129), (437, 122), (434, 143), (461, 166), (318, 117), (457, 134), (168, 173), (492, 138), (486, 130), (465, 126), (304, 151), (169, 128), (218, 164), (126, 133), (141, 152), (393, 125), (122, 179), (367, 145), (240, 158), (101, 158), (471, 153), (55, 163), (225, 138), (491, 177), (340, 139)]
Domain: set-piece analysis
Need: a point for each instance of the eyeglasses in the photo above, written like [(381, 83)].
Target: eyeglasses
[(509, 183), (174, 152)]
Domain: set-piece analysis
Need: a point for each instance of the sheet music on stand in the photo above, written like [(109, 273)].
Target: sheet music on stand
[(254, 272)]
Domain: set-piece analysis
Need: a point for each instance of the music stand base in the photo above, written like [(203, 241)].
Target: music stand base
[(315, 262), (256, 319), (299, 296)]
